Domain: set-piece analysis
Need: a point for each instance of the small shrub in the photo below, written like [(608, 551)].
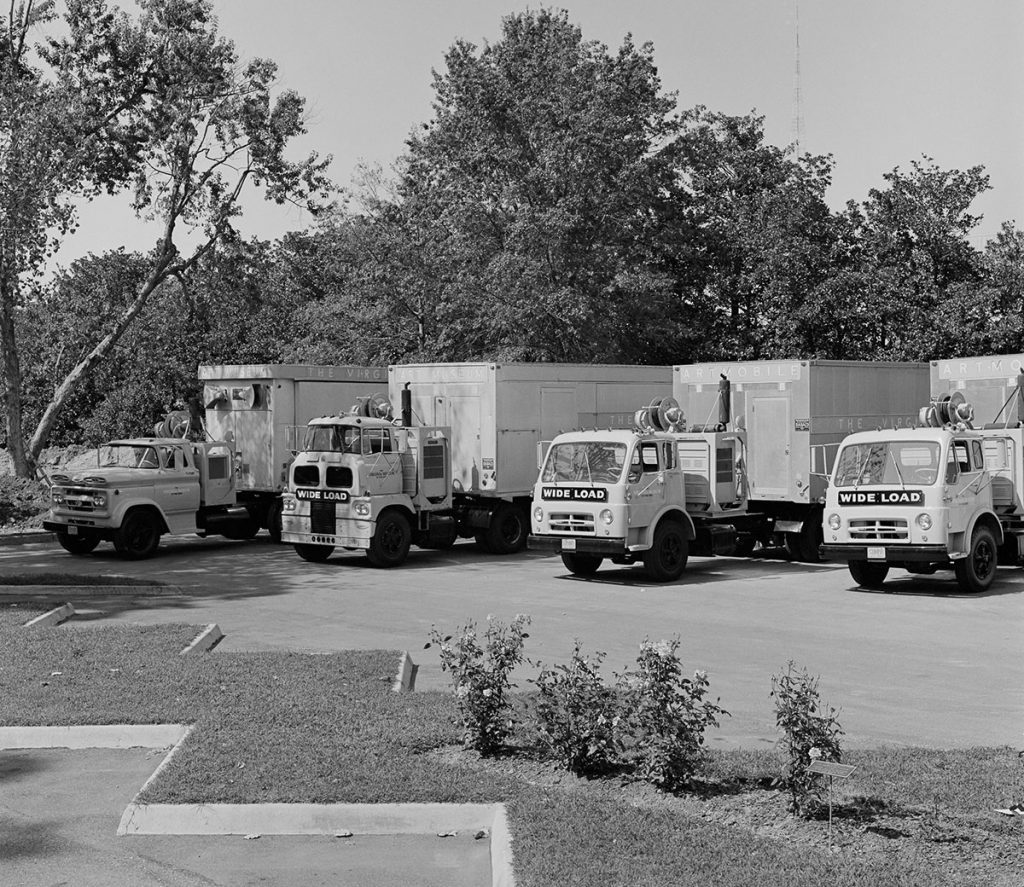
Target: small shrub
[(809, 731), (668, 716), (480, 678), (577, 715)]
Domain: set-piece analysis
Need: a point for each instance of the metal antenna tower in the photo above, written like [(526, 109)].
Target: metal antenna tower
[(798, 110)]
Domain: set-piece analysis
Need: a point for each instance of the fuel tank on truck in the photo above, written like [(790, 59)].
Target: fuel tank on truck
[(796, 412), (501, 413), (256, 406)]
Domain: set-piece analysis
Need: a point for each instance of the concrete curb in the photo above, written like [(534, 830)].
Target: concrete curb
[(94, 736), (83, 591), (54, 617), (405, 680), (25, 538), (304, 819), (204, 641)]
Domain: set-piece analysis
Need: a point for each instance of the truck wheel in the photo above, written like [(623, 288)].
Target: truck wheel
[(508, 530), (868, 575), (582, 564), (810, 539), (976, 571), (77, 544), (390, 543), (666, 558), (315, 554), (138, 536), (274, 521)]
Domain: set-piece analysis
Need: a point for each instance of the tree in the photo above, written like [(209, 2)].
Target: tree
[(528, 210), (159, 104)]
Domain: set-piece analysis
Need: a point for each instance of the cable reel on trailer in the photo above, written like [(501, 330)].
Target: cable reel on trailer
[(663, 414), (949, 409), (373, 406)]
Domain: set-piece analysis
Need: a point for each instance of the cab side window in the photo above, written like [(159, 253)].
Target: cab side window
[(649, 457), (959, 460), (979, 455)]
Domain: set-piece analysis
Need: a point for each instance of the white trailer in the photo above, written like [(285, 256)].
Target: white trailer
[(256, 407), (795, 413), (501, 417)]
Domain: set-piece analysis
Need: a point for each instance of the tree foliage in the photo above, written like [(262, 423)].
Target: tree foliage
[(159, 104)]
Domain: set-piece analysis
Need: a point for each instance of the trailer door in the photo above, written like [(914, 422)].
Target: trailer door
[(769, 446)]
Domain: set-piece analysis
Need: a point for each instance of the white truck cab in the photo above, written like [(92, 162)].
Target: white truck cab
[(924, 499)]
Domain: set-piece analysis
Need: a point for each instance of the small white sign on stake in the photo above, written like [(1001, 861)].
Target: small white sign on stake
[(833, 771)]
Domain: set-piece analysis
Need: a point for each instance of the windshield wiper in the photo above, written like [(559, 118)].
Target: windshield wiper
[(899, 473)]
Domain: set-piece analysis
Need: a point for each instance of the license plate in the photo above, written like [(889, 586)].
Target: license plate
[(568, 545), (876, 553), (72, 530)]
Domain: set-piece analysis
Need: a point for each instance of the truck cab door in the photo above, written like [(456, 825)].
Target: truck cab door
[(177, 488), (645, 484), (964, 469)]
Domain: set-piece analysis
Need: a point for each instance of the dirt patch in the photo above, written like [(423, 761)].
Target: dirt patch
[(24, 502), (984, 848)]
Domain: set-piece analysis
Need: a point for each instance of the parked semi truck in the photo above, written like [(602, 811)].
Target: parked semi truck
[(469, 434), (794, 414), (259, 407), (653, 494), (943, 495)]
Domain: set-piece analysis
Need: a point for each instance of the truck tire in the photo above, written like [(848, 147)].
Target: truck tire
[(508, 530), (667, 556), (274, 521), (582, 564), (975, 572), (803, 546), (315, 554), (77, 544), (138, 536), (868, 575), (390, 543)]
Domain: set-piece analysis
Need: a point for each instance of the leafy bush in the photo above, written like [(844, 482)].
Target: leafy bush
[(668, 716), (578, 716), (809, 731), (480, 678)]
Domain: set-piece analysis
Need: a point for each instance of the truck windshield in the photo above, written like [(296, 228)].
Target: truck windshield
[(888, 462), (127, 456), (331, 439), (591, 462)]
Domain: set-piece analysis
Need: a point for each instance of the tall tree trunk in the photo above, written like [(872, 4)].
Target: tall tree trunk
[(23, 465)]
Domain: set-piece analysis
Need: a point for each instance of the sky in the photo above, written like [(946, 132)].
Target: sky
[(882, 82)]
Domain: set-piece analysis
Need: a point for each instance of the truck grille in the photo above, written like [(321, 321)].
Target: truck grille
[(879, 530), (79, 501), (572, 523), (322, 520)]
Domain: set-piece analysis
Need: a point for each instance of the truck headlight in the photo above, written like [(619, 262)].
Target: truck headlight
[(99, 500), (362, 509), (834, 522), (57, 497), (924, 521), (288, 504), (606, 515), (538, 514)]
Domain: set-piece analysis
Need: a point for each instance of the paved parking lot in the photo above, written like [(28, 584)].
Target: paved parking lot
[(919, 664)]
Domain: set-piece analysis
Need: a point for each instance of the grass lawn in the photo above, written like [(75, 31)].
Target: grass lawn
[(288, 727)]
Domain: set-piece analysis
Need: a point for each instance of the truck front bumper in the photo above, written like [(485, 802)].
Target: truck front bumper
[(583, 545), (893, 554), (77, 527)]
